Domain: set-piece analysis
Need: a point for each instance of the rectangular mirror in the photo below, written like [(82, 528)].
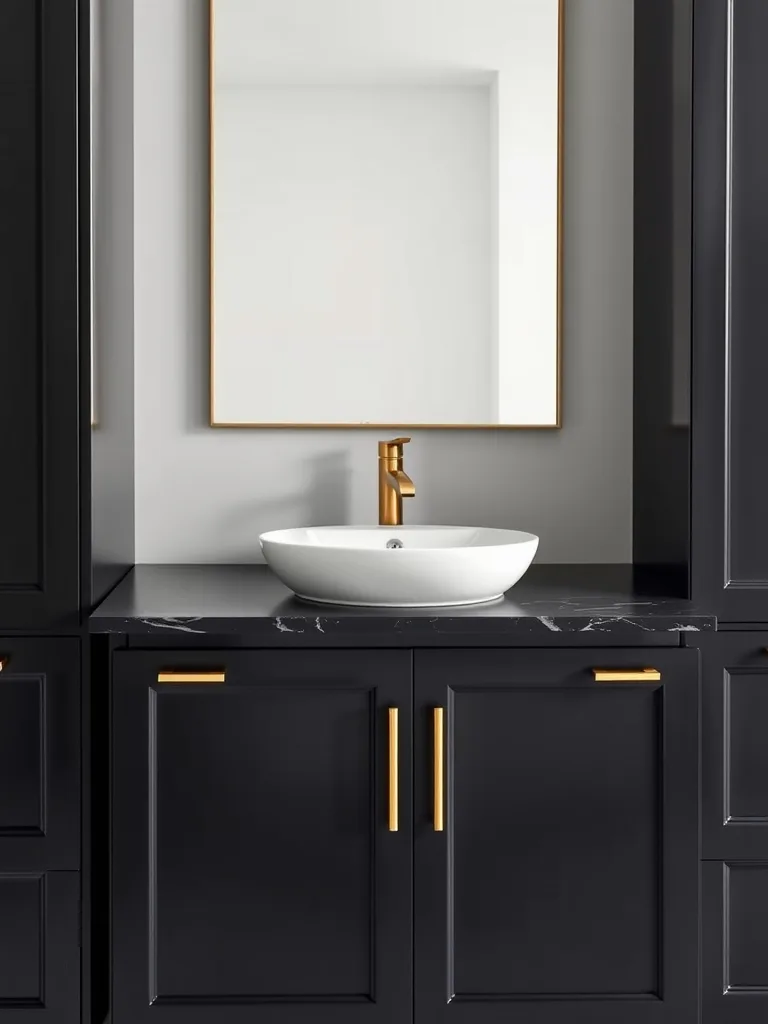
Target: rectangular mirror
[(386, 190)]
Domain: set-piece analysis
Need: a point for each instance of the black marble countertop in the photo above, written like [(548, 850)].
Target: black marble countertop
[(249, 600)]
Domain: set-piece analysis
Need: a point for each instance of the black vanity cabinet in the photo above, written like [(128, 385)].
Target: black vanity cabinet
[(39, 831), (563, 889), (547, 868), (730, 217), (39, 428), (255, 873)]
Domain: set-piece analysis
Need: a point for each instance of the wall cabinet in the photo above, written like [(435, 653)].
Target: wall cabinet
[(255, 866), (39, 544)]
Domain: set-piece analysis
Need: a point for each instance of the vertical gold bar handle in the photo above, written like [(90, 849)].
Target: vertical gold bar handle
[(439, 769), (394, 795), (3, 661)]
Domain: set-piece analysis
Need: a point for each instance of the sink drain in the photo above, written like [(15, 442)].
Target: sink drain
[(394, 543)]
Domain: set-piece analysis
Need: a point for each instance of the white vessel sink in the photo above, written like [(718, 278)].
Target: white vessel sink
[(399, 566)]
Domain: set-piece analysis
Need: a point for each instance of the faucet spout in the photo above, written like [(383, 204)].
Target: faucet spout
[(394, 483), (401, 483)]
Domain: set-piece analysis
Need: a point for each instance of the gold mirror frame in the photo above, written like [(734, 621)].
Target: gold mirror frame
[(557, 425)]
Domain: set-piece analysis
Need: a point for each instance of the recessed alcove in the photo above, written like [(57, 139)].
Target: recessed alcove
[(609, 487)]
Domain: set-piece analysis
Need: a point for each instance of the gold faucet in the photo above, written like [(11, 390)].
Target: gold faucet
[(394, 484)]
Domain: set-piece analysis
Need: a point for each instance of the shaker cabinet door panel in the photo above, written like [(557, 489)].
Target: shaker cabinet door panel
[(735, 946), (39, 552), (730, 500), (563, 889), (39, 948), (39, 754), (734, 746), (255, 873)]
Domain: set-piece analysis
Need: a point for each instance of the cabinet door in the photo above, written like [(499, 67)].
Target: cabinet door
[(255, 874), (735, 942), (734, 747), (39, 954), (39, 300), (39, 754), (564, 888), (730, 212)]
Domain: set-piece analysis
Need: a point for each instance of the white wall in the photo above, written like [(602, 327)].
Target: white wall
[(204, 495)]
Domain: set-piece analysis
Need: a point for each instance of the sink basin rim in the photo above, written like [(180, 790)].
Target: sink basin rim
[(497, 537)]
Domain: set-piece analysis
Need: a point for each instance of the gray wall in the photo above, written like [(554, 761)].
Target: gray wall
[(204, 495)]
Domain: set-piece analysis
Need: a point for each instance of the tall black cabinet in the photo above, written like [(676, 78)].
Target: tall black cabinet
[(39, 283), (730, 269), (40, 513), (729, 541)]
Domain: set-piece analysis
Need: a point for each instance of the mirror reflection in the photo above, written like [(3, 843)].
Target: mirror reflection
[(385, 212)]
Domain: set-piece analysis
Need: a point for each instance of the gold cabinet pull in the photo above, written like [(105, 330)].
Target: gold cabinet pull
[(3, 661), (394, 779), (439, 762), (191, 677), (623, 675)]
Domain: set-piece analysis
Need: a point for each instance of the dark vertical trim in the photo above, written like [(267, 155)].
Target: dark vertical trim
[(710, 134), (661, 527), (84, 295), (152, 842), (40, 291)]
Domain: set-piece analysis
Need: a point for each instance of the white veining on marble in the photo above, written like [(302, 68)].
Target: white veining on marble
[(173, 623), (279, 624), (551, 625)]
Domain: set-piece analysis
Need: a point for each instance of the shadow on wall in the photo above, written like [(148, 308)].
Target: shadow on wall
[(325, 500)]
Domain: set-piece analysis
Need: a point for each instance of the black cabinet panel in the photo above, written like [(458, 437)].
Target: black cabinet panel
[(39, 754), (746, 904), (512, 741), (730, 507), (735, 949), (747, 417), (254, 872), (21, 901), (734, 750), (39, 947), (22, 744), (564, 887), (39, 550)]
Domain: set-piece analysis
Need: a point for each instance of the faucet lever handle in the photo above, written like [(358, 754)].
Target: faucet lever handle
[(392, 449)]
